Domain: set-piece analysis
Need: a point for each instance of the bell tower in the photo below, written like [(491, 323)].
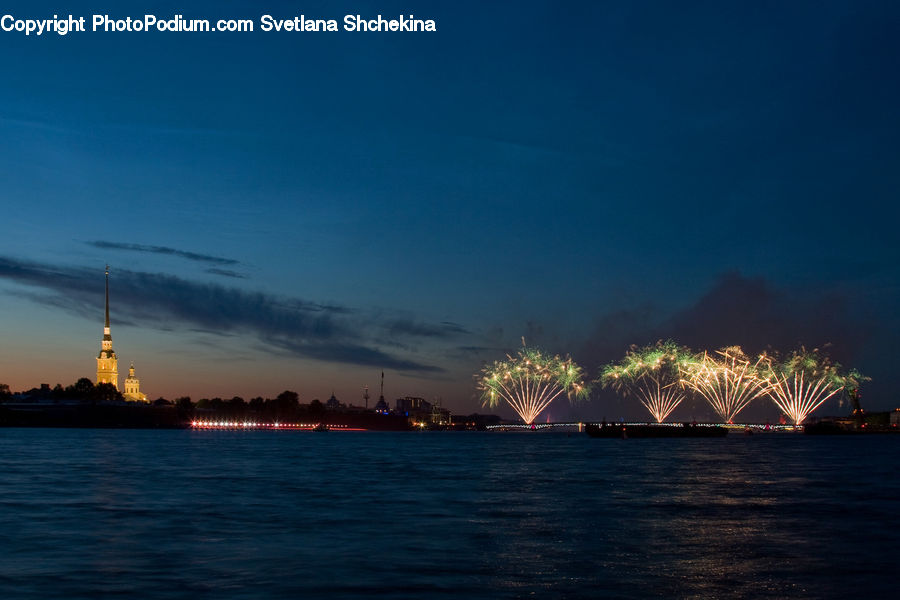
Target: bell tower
[(133, 387), (107, 364)]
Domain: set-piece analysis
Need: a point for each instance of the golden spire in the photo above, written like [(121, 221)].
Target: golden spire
[(107, 297)]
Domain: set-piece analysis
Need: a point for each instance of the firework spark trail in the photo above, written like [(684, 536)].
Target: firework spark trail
[(799, 398), (532, 400), (542, 402), (729, 384), (662, 401)]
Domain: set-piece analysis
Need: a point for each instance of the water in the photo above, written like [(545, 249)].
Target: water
[(219, 514)]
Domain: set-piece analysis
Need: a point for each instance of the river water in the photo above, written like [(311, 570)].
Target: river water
[(257, 514)]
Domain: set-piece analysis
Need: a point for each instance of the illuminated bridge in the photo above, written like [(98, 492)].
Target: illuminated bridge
[(225, 424), (580, 426)]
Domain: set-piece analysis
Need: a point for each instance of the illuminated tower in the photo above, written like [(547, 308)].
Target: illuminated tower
[(133, 387), (107, 365)]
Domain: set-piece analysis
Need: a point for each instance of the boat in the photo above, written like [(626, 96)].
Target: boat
[(659, 430), (321, 427)]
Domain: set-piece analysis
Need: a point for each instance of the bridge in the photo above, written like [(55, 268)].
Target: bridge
[(580, 426), (232, 424)]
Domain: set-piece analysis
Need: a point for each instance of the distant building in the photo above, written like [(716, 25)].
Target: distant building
[(333, 403), (382, 406), (441, 416), (108, 363), (410, 404), (133, 387), (421, 412)]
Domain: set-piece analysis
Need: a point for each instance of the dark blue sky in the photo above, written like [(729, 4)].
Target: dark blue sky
[(303, 210)]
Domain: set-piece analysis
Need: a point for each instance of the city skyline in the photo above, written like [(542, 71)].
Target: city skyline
[(305, 211)]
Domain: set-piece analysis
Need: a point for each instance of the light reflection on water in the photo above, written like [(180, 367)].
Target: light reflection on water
[(225, 514)]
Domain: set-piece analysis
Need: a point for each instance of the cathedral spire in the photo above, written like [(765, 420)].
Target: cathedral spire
[(107, 297), (107, 337), (107, 364)]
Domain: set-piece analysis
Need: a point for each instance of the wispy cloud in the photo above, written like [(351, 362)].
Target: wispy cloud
[(226, 273), (302, 328), (343, 352), (216, 260), (403, 327)]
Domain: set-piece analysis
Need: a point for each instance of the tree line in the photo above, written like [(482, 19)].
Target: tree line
[(285, 405)]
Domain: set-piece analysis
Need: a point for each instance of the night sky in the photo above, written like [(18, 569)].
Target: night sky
[(304, 210)]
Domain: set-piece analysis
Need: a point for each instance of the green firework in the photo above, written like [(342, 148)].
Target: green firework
[(651, 373), (530, 381)]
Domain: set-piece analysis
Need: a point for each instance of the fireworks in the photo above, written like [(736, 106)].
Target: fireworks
[(530, 381), (729, 381), (652, 373), (802, 382), (661, 375)]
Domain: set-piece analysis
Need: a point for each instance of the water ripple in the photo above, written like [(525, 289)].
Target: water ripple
[(218, 514)]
